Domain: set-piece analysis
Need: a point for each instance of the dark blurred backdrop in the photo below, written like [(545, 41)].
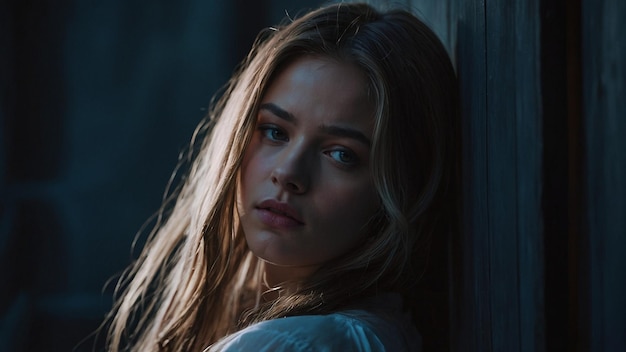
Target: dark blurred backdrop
[(97, 99)]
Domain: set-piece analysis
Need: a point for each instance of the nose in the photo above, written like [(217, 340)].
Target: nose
[(292, 172)]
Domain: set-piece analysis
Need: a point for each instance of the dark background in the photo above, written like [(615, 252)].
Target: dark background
[(97, 99)]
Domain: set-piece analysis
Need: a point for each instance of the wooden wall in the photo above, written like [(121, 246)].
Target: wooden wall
[(603, 43), (544, 171)]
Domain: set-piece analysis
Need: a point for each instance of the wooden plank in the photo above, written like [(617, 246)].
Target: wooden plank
[(529, 152), (499, 304), (604, 89), (502, 176), (473, 312)]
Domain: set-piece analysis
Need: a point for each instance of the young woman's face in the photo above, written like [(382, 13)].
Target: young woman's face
[(306, 191)]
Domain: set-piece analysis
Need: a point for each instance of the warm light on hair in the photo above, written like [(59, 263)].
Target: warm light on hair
[(195, 275)]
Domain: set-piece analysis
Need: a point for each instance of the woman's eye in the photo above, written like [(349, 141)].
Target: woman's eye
[(274, 133), (344, 157)]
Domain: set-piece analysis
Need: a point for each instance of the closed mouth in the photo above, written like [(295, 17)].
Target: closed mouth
[(282, 209)]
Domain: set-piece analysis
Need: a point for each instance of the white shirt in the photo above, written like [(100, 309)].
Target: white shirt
[(389, 329)]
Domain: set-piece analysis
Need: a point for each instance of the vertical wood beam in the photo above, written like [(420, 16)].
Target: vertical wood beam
[(604, 89), (473, 330), (502, 177)]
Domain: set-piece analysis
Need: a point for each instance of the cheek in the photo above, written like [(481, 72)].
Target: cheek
[(246, 185), (251, 169), (349, 209)]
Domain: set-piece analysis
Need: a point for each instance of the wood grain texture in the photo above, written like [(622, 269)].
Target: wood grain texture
[(529, 170), (497, 47), (499, 303), (474, 329), (604, 89), (502, 176)]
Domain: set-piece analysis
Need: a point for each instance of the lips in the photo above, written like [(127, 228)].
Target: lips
[(279, 214)]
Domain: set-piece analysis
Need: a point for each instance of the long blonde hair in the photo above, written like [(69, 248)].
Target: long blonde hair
[(195, 278)]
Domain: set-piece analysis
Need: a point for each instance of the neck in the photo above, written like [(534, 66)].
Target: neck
[(279, 279)]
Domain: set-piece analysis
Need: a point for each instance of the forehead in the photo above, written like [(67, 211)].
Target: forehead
[(324, 89)]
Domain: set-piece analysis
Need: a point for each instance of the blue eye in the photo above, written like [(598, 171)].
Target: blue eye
[(273, 133), (344, 157)]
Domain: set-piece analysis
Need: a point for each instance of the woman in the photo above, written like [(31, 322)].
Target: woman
[(305, 218)]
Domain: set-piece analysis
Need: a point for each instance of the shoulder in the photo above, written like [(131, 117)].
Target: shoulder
[(350, 331), (305, 333)]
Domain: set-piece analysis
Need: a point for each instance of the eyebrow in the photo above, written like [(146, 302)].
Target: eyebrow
[(346, 132), (330, 130), (274, 109)]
